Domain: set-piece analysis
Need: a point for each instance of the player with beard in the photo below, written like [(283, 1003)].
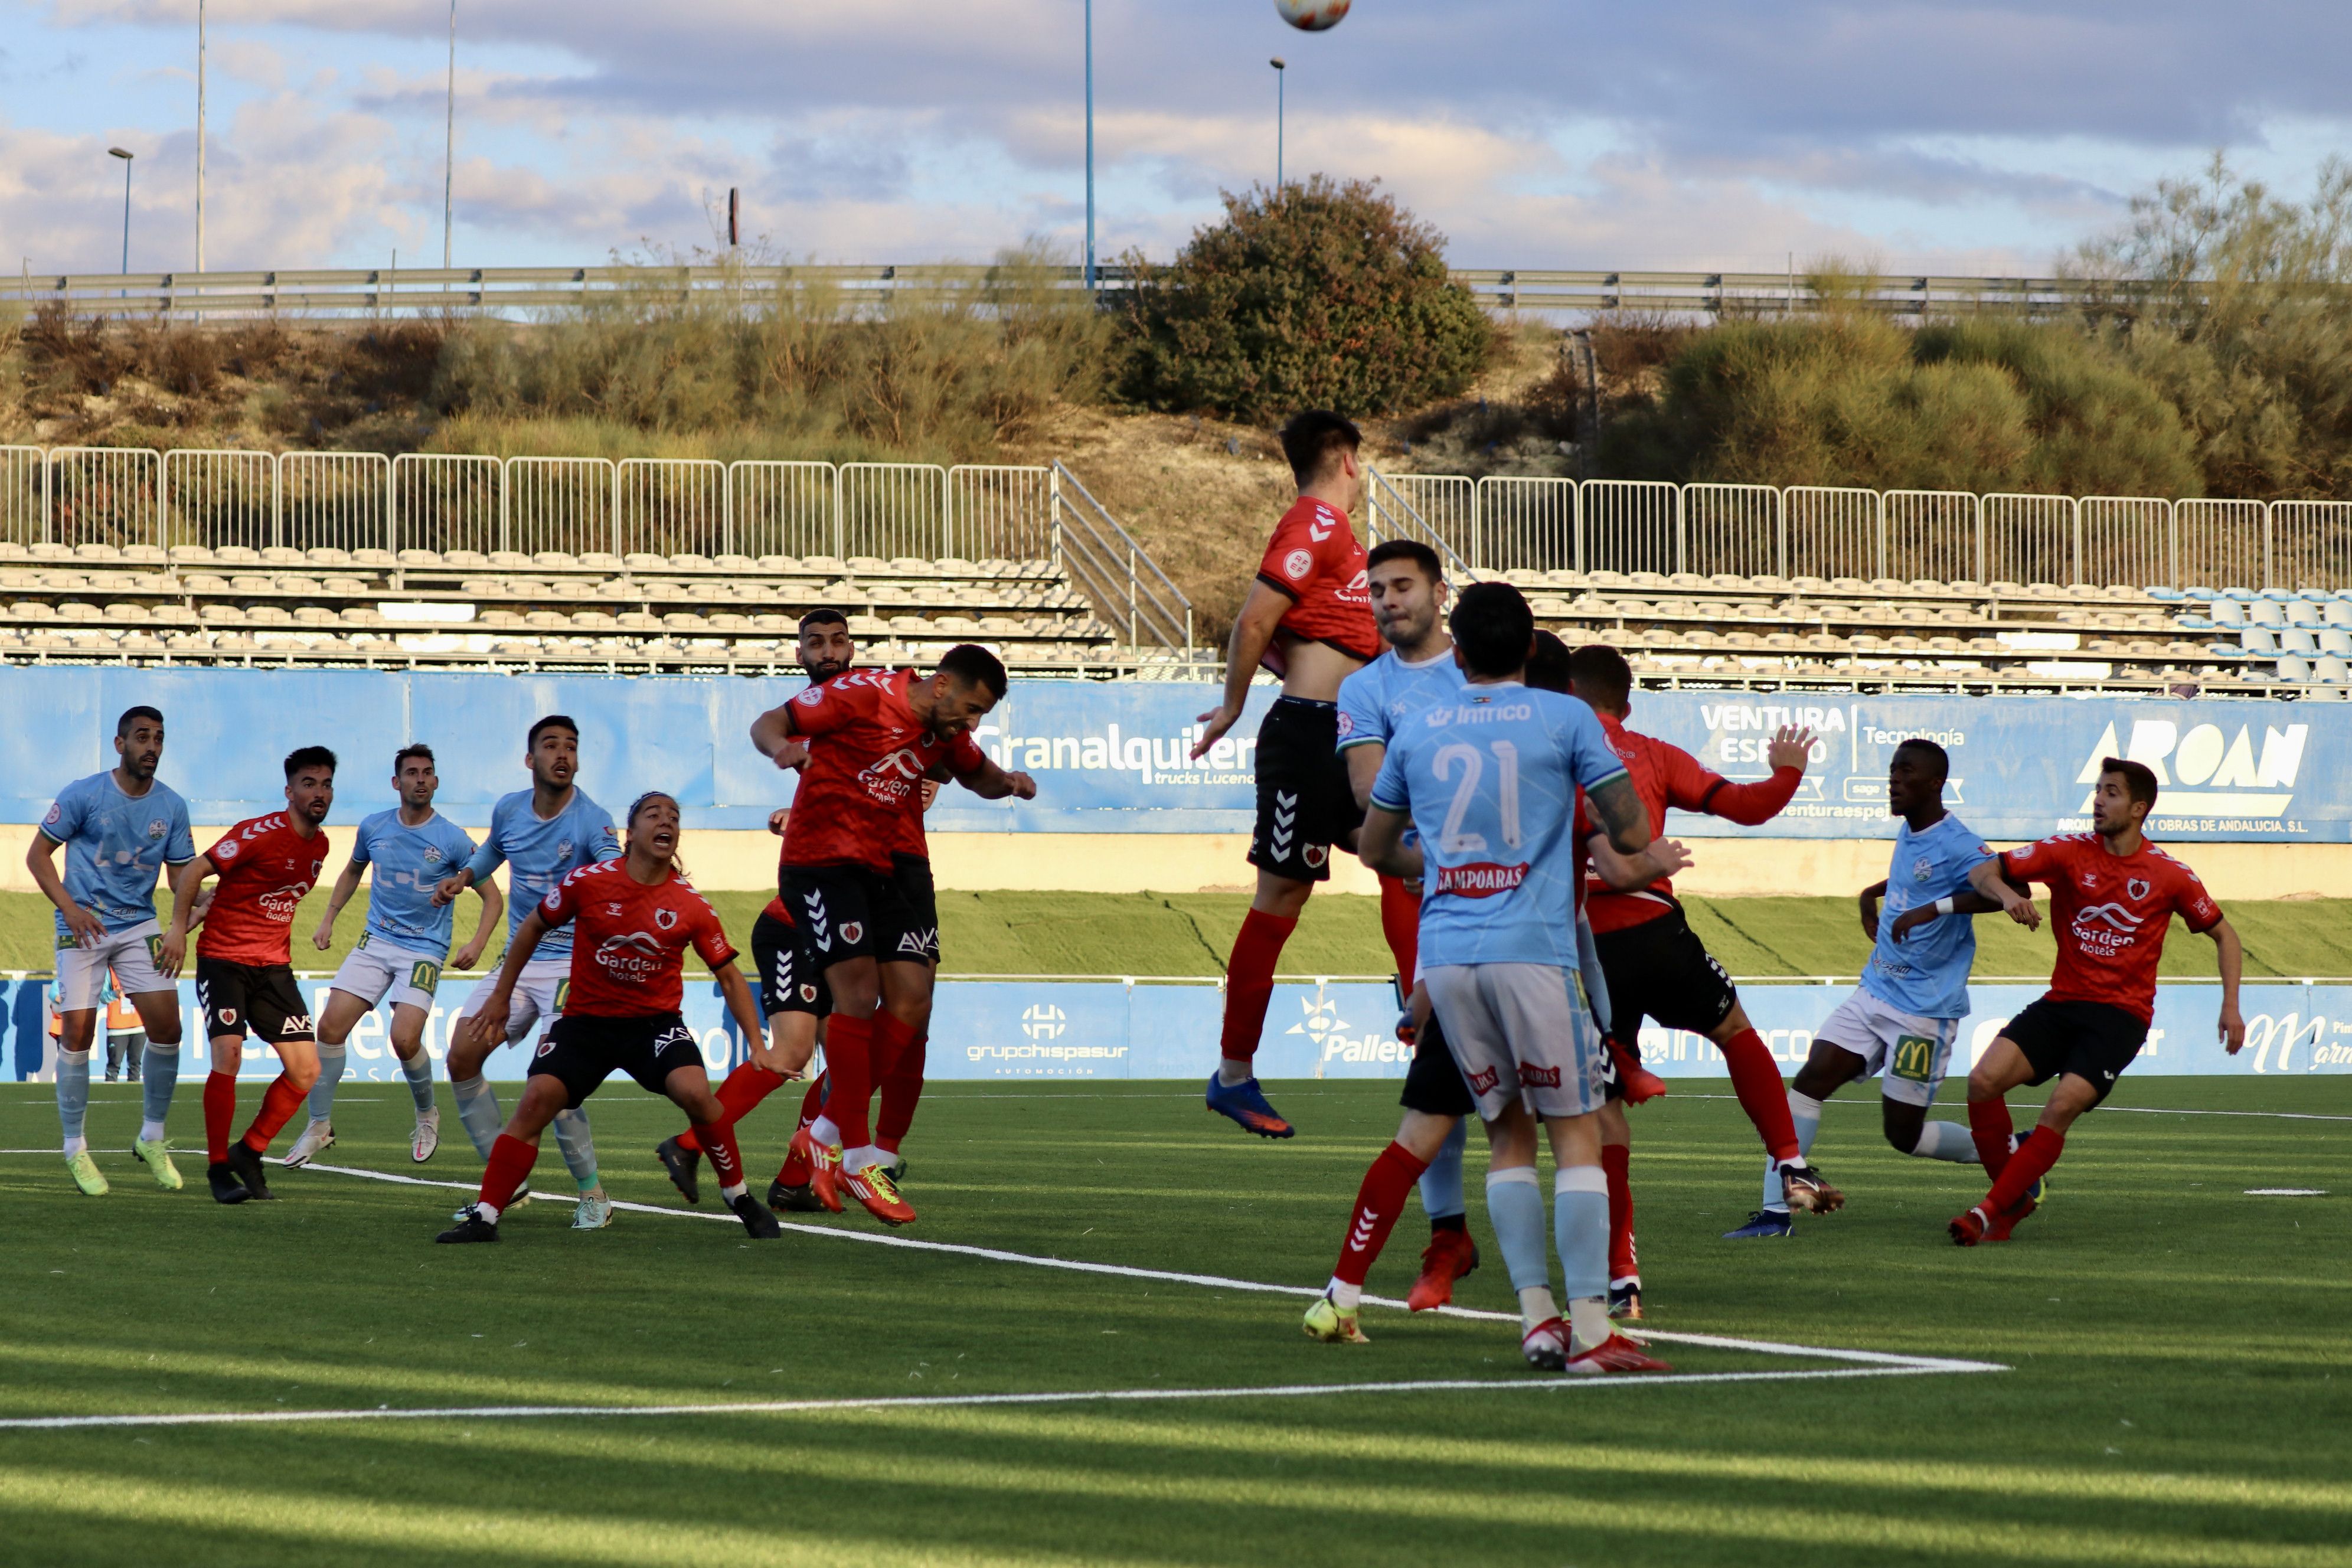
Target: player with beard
[(872, 738), (2112, 898), (633, 919), (792, 993), (1308, 620), (543, 834), (244, 965), (118, 828)]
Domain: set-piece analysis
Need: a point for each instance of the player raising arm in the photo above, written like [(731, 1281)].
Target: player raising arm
[(1309, 621), (2112, 898), (401, 951), (1492, 781), (117, 828), (244, 965), (634, 919)]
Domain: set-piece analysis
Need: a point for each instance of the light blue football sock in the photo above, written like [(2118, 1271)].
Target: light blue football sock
[(477, 1107), (73, 1097), (331, 1062), (1805, 1111), (1441, 1184), (579, 1148), (418, 1071), (1946, 1140), (1580, 1228), (161, 1070), (1515, 1208)]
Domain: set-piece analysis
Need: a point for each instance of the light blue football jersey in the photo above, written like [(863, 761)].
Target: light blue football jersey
[(1927, 974), (115, 847), (1377, 698), (1490, 780), (410, 862), (541, 854)]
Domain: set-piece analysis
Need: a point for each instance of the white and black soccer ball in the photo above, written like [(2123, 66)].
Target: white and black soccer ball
[(1311, 16)]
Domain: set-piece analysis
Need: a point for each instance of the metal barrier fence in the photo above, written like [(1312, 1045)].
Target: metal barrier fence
[(1821, 531)]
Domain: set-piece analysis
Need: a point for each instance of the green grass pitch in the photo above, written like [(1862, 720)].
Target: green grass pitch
[(2178, 1393)]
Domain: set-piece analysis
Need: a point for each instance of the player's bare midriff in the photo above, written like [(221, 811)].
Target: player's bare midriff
[(1312, 669)]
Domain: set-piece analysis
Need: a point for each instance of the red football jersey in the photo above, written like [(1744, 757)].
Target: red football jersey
[(629, 940), (1315, 559), (860, 798), (2110, 913), (265, 868), (1665, 776), (776, 910)]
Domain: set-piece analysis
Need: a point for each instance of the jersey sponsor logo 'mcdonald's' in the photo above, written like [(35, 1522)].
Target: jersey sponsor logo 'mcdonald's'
[(1480, 878)]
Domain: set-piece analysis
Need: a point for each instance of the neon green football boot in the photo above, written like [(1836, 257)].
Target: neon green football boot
[(86, 1173), (157, 1157)]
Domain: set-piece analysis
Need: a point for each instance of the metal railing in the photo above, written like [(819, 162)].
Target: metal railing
[(366, 291), (639, 513), (1390, 515)]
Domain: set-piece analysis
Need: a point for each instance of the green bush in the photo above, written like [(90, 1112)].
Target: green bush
[(1317, 295)]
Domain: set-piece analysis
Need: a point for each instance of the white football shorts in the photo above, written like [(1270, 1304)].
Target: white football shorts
[(129, 952), (376, 967), (1912, 1053), (538, 995), (1520, 1030)]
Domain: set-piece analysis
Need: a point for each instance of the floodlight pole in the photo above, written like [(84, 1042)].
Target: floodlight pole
[(449, 145), (1281, 73), (200, 136), (1090, 145), (125, 155)]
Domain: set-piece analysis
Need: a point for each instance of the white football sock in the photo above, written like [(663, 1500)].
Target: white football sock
[(823, 1131), (1343, 1295), (1946, 1140), (1537, 1305), (1231, 1072), (1805, 1111)]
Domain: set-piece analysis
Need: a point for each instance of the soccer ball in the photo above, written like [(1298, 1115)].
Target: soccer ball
[(1311, 16)]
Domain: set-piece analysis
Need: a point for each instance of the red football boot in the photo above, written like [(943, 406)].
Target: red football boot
[(1616, 1354), (1638, 1081), (1450, 1255)]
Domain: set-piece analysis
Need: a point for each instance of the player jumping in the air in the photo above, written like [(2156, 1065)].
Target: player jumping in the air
[(1657, 967), (244, 965), (1900, 1024), (2112, 898), (633, 919), (1437, 1102), (1491, 779), (119, 830), (401, 952), (543, 834), (1308, 620), (869, 916)]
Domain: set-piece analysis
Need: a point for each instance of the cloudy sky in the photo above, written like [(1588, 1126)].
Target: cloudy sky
[(1698, 133)]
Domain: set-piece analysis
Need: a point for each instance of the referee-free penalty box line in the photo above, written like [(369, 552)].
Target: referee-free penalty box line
[(1857, 1362)]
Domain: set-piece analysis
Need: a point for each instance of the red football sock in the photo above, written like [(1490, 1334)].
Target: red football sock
[(1756, 1079), (848, 1061), (2028, 1165), (795, 1172), (745, 1088), (900, 1093), (220, 1109), (1378, 1202), (1249, 980), (1401, 923), (511, 1162), (1989, 1129), (887, 1041), (279, 1103), (719, 1142), (1616, 1162)]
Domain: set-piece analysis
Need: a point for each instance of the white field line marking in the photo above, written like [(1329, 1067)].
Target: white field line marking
[(1075, 1396), (2129, 1110), (1211, 1281), (2286, 1192)]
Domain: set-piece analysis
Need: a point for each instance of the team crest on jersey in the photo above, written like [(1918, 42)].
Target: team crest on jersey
[(432, 854), (157, 827), (1921, 871), (2136, 888), (228, 1017), (1314, 855), (56, 811), (808, 992), (1298, 564), (563, 850), (544, 1046), (1347, 725), (664, 918), (227, 850), (852, 932)]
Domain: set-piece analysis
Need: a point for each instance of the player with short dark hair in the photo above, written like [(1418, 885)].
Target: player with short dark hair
[(1903, 1021), (244, 965), (403, 951), (1308, 620), (1658, 968), (2111, 898), (869, 740), (1493, 777), (542, 833), (636, 917), (119, 830)]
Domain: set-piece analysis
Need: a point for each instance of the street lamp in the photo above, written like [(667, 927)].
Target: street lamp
[(125, 155), (1090, 145), (449, 153), (200, 136), (1280, 72)]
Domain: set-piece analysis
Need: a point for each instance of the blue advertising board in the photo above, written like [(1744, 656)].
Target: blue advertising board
[(1111, 1029), (1114, 757)]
